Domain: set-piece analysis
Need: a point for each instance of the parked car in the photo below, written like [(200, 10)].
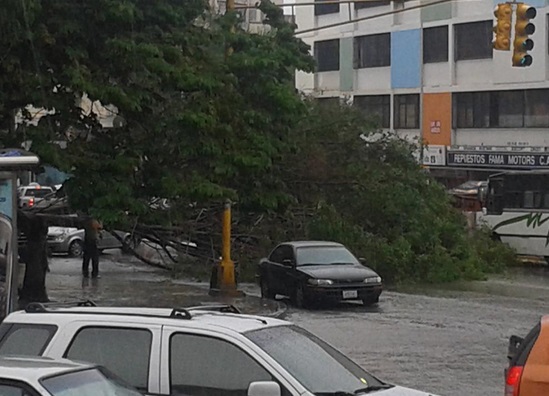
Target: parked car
[(70, 240), (526, 374), (32, 194), (25, 376), (204, 350), (309, 271)]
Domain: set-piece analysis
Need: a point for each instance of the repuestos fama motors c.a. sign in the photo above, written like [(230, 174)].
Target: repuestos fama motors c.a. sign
[(493, 159)]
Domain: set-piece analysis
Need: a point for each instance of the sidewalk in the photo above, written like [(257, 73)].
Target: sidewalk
[(128, 282)]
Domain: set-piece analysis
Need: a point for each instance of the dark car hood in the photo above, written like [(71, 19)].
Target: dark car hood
[(338, 272)]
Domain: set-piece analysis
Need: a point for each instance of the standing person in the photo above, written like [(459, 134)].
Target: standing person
[(92, 233)]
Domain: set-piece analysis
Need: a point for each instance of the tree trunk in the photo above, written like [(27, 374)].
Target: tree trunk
[(35, 258)]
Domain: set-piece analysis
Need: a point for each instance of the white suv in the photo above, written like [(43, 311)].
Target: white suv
[(205, 350)]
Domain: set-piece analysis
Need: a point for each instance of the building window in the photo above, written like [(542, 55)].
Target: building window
[(474, 40), (472, 110), (508, 109), (375, 106), (502, 109), (407, 111), (369, 4), (327, 55), (536, 108), (323, 9), (435, 44), (373, 51)]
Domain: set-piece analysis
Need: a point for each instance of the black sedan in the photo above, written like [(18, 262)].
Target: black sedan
[(311, 271)]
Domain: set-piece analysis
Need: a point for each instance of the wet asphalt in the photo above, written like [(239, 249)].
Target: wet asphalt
[(448, 341)]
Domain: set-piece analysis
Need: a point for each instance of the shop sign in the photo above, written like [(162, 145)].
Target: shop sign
[(434, 155), (491, 159), (435, 126)]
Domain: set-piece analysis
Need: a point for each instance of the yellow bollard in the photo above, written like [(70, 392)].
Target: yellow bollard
[(226, 280)]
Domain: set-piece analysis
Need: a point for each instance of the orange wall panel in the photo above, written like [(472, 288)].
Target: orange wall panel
[(437, 118)]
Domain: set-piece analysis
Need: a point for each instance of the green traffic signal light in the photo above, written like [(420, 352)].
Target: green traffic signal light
[(523, 28)]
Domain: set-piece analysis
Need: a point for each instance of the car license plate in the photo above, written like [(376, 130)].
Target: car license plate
[(350, 294)]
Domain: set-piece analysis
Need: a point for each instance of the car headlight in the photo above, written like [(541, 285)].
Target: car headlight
[(374, 279), (320, 282)]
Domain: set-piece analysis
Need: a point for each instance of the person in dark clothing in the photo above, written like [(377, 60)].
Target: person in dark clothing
[(92, 233)]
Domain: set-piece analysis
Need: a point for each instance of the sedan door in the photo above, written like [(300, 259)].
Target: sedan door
[(274, 269), (287, 274), (108, 241)]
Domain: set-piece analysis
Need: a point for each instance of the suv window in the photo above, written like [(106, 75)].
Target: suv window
[(23, 339), (199, 365), (124, 351)]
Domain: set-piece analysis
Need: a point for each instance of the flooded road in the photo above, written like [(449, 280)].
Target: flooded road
[(450, 341)]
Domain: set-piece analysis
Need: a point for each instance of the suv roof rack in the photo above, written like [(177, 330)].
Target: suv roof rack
[(43, 306), (185, 313), (176, 313)]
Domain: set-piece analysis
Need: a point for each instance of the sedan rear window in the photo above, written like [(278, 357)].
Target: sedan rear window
[(38, 192)]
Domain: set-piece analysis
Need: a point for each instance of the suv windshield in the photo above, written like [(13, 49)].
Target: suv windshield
[(89, 382), (322, 255), (315, 364)]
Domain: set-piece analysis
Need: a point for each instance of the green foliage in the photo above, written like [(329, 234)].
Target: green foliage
[(201, 126), (377, 201)]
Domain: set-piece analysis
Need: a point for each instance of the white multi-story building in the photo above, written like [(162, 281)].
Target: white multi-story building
[(430, 72)]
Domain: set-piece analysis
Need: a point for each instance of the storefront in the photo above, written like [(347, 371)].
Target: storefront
[(453, 165)]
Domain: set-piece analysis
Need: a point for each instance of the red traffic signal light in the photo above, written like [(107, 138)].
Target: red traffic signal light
[(502, 28), (523, 28)]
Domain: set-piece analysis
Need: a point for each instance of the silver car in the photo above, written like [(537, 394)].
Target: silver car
[(34, 376), (70, 240)]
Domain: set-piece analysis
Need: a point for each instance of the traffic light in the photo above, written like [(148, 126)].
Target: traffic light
[(523, 29), (502, 28)]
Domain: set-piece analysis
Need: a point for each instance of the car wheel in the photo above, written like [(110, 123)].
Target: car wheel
[(76, 248), (299, 298), (370, 300), (266, 291)]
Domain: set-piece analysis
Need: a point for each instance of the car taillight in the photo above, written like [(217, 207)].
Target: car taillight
[(31, 202), (512, 382)]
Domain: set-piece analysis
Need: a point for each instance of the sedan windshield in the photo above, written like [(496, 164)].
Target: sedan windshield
[(92, 382), (316, 365), (324, 255)]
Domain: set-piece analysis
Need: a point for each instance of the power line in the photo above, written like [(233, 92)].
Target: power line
[(370, 16)]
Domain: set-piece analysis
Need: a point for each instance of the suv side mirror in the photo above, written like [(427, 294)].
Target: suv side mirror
[(264, 388), (288, 263), (362, 260)]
